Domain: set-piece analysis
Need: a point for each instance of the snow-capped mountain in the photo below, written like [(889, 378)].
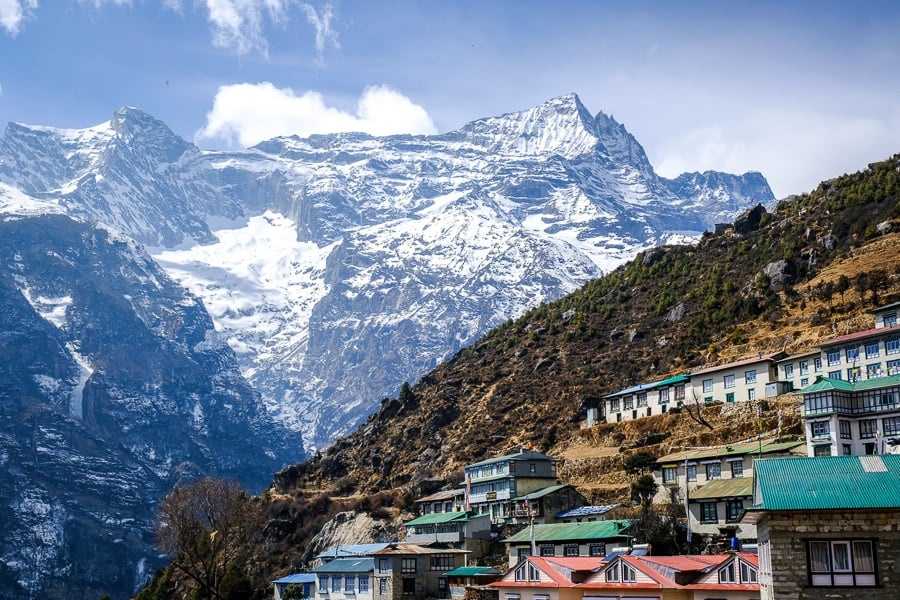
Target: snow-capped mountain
[(338, 266)]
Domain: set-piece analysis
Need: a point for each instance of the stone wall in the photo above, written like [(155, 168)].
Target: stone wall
[(787, 534)]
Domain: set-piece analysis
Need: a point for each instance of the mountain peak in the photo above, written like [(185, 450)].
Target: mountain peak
[(134, 125)]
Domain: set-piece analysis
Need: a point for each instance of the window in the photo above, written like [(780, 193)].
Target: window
[(383, 565), (751, 394), (833, 358), (892, 346), (844, 426), (570, 550), (628, 574), (788, 371), (726, 573), (548, 550), (713, 470), (834, 375), (729, 381), (868, 428), (841, 563), (349, 583), (614, 405), (527, 572), (853, 374), (596, 549), (440, 562), (847, 449), (363, 584), (679, 392), (664, 395), (629, 402), (692, 472), (817, 365), (336, 583), (707, 386), (822, 450), (733, 510), (891, 425), (748, 573), (750, 376), (669, 474), (804, 381), (852, 354), (820, 429), (407, 565), (872, 350), (382, 586), (708, 399), (737, 468), (642, 399), (709, 512), (804, 367), (409, 586), (887, 398), (323, 584), (893, 367), (612, 572), (873, 371), (890, 319), (532, 468), (729, 397), (442, 585)]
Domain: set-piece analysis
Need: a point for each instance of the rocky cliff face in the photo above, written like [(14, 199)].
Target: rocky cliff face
[(113, 386)]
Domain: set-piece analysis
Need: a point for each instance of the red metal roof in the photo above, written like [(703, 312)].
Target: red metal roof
[(860, 335)]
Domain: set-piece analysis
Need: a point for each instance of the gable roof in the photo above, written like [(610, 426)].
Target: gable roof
[(861, 335), (351, 550), (690, 572), (723, 488), (346, 565), (559, 570), (774, 356), (739, 449), (443, 495), (643, 387), (521, 455), (447, 517), (543, 492), (826, 483), (586, 511), (297, 578), (558, 532), (824, 384)]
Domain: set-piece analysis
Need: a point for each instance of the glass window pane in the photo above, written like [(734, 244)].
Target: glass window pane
[(863, 561), (818, 557), (841, 551)]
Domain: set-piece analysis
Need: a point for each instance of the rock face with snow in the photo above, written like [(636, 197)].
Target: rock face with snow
[(114, 385), (338, 266)]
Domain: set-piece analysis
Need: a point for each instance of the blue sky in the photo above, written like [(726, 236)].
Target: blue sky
[(802, 91)]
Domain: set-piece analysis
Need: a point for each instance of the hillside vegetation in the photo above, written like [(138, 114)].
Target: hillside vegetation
[(784, 280)]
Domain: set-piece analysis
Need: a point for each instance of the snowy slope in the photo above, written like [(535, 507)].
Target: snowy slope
[(339, 266)]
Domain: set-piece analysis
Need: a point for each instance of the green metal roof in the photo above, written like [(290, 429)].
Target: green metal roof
[(447, 517), (724, 488), (828, 483), (825, 384), (473, 572), (542, 492), (346, 565), (643, 387), (768, 447), (558, 532)]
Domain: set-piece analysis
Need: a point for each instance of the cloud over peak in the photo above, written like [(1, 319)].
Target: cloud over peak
[(245, 114)]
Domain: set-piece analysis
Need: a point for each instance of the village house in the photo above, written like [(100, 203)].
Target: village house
[(414, 572), (567, 539), (543, 505), (443, 501), (645, 399), (305, 582), (491, 485), (827, 527), (740, 381), (844, 418), (462, 530), (546, 578), (344, 579), (472, 582), (730, 576), (797, 371), (718, 483)]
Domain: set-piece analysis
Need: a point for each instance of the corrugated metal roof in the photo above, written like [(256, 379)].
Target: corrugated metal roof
[(885, 307), (586, 511), (828, 483), (346, 565), (643, 387), (552, 532), (448, 517), (768, 447), (724, 488), (351, 550), (522, 455), (825, 384), (443, 495), (473, 572), (859, 336), (406, 548), (297, 578), (747, 361), (542, 492)]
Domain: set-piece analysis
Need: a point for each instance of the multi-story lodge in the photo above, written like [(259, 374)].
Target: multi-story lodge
[(493, 484), (644, 400), (718, 483)]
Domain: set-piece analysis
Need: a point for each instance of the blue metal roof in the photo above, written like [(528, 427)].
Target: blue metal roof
[(297, 578), (352, 550), (586, 511), (347, 565)]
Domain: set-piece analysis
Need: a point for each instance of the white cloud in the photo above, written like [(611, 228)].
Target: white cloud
[(14, 12), (324, 31), (245, 114), (793, 150)]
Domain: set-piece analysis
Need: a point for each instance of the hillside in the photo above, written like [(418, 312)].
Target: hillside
[(811, 268)]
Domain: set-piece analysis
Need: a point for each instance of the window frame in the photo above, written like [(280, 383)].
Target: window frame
[(852, 573), (405, 567), (709, 512)]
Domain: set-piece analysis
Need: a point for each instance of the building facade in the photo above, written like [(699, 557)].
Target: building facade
[(645, 399), (414, 572), (491, 485), (593, 539)]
